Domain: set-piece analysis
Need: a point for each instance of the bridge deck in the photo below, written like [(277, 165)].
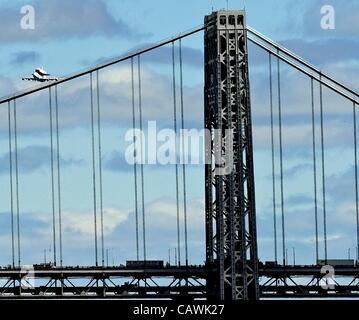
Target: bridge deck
[(94, 272), (122, 282), (183, 271)]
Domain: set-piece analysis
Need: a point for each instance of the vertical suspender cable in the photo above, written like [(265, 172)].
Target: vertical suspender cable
[(281, 161), (323, 171), (183, 157), (273, 165), (135, 157), (17, 188), (142, 159), (52, 176), (100, 166), (176, 164), (356, 175), (93, 169), (11, 188), (314, 175), (58, 173)]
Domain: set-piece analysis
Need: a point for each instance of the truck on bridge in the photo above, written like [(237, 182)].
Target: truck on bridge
[(337, 262)]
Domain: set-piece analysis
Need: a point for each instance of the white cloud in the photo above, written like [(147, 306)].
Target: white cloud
[(345, 213), (163, 212), (63, 19), (115, 100), (83, 222)]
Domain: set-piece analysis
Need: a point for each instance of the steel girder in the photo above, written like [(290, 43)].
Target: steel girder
[(95, 283)]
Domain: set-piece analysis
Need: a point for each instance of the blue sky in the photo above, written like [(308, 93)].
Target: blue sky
[(130, 25), (72, 35)]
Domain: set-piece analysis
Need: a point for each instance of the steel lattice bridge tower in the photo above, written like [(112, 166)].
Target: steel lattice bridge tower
[(231, 241), (232, 270)]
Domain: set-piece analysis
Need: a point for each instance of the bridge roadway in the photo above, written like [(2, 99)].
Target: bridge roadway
[(198, 271), (106, 272), (122, 282)]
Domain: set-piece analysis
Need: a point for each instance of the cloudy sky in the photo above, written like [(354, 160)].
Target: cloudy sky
[(70, 36)]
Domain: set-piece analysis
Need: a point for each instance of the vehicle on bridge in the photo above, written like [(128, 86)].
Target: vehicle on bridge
[(47, 265), (138, 264), (268, 264), (271, 264), (337, 262)]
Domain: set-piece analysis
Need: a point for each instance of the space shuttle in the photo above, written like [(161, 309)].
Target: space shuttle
[(40, 75)]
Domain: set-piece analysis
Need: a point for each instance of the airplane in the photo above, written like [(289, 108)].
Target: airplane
[(40, 75)]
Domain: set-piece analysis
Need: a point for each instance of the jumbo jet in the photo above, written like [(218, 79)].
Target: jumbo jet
[(40, 75)]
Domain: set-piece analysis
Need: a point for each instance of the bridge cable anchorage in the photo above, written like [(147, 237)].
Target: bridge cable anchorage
[(99, 138), (135, 157), (58, 174), (52, 175), (273, 161), (323, 171), (314, 173), (17, 188), (356, 175), (11, 187), (142, 159), (281, 160), (94, 170), (176, 164), (183, 156)]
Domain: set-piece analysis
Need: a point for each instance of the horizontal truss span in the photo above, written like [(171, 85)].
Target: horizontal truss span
[(314, 270), (168, 283), (107, 272)]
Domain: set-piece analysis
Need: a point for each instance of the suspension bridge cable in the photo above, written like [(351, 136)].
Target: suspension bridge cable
[(356, 175), (183, 157), (323, 172), (93, 170), (281, 160), (176, 164), (314, 174), (52, 176), (17, 188), (58, 173), (273, 164), (298, 59), (142, 159), (106, 64), (135, 157), (303, 70), (100, 166), (11, 187)]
